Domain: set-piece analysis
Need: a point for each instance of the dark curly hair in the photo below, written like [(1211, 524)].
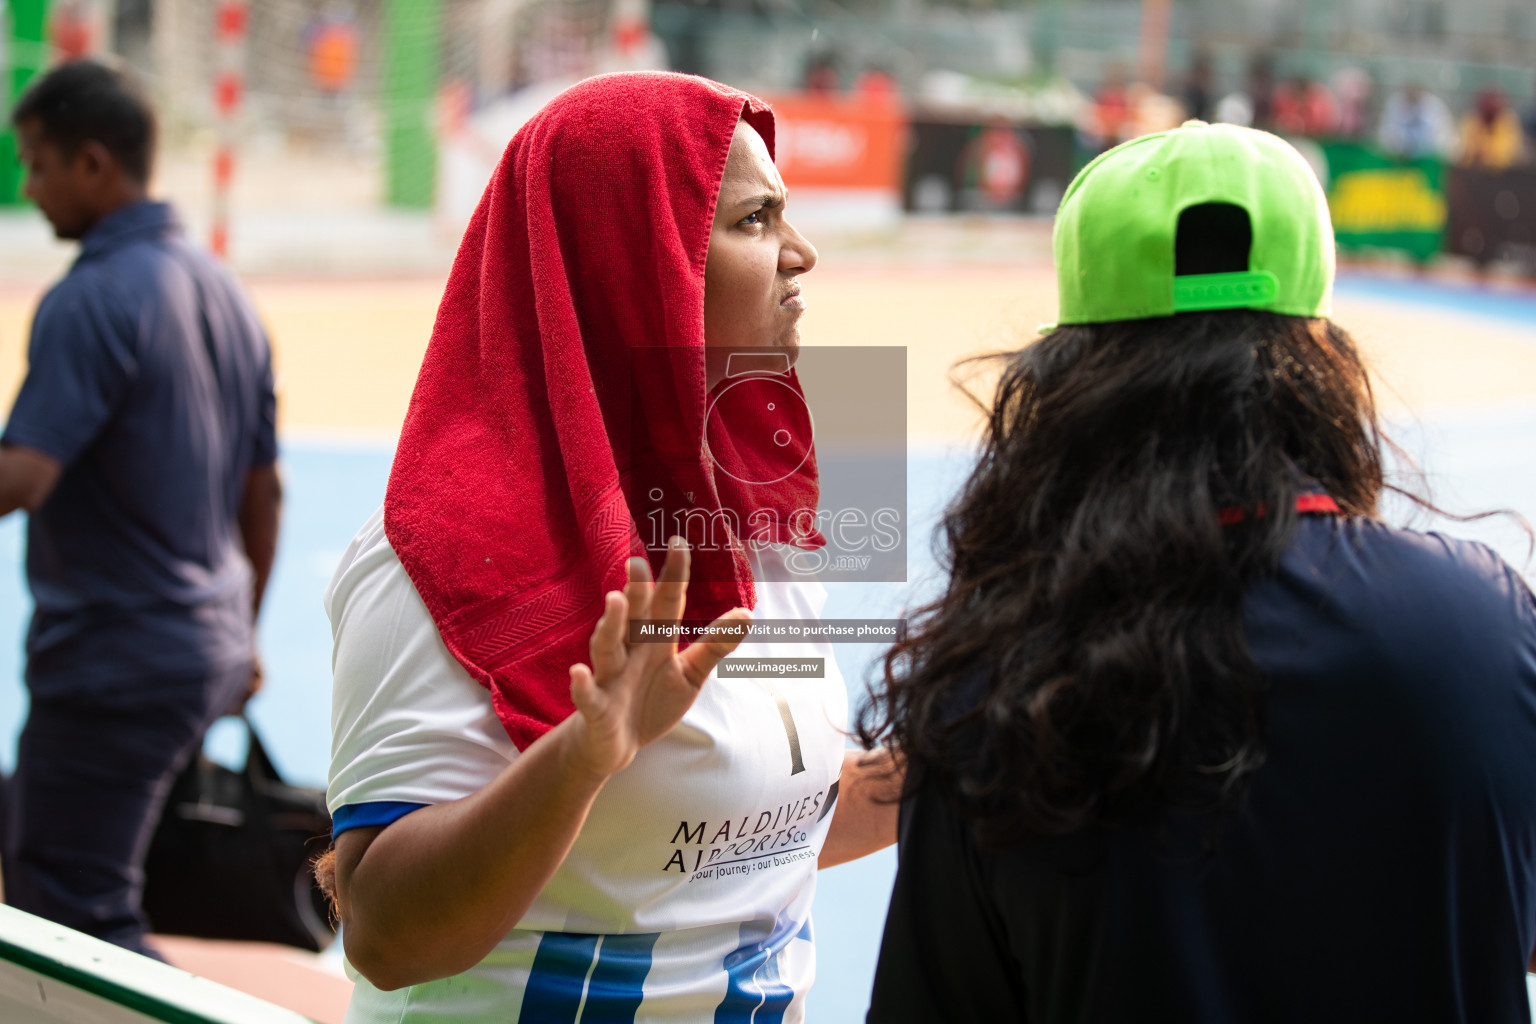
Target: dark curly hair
[(1087, 663)]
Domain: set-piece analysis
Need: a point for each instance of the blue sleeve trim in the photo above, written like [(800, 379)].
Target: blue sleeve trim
[(379, 812)]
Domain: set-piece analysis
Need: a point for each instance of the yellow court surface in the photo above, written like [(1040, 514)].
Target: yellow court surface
[(347, 351)]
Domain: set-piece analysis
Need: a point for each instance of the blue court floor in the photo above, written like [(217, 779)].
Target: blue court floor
[(1473, 461)]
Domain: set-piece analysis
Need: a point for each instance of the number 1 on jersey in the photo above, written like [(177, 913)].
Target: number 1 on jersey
[(796, 763)]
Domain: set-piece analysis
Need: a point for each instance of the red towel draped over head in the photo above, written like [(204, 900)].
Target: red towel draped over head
[(547, 419)]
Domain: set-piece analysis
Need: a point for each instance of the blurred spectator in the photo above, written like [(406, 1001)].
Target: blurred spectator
[(876, 82), (1354, 90), (996, 164), (1490, 133), (1198, 84), (142, 445), (1151, 111), (1529, 123), (1417, 123), (821, 75), (1251, 105), (331, 43), (1261, 91), (74, 27), (1108, 121), (1235, 108), (1303, 106)]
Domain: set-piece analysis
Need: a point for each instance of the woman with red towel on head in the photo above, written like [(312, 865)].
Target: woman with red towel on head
[(536, 819)]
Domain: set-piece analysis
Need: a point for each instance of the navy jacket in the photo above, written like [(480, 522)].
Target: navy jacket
[(1381, 867)]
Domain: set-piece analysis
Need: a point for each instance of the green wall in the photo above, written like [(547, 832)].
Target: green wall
[(412, 31), (24, 23)]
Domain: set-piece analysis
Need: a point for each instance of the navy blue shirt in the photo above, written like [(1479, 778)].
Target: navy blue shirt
[(150, 379), (1382, 866)]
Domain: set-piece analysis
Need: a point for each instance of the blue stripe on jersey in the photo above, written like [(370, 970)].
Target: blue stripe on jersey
[(616, 987), (560, 977), (753, 992), (376, 812)]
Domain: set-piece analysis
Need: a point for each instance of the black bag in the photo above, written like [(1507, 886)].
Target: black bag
[(231, 856)]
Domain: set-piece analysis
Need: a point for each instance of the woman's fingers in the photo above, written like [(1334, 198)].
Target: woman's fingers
[(607, 646), (672, 587), (637, 591), (585, 693), (699, 660)]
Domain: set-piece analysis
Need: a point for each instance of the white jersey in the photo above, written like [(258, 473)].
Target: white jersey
[(687, 894)]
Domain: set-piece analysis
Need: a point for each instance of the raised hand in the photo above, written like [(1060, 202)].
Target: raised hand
[(634, 693)]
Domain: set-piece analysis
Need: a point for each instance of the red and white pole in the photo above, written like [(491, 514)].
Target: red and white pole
[(228, 91)]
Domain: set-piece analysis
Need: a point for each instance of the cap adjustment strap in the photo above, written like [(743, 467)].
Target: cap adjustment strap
[(1224, 291)]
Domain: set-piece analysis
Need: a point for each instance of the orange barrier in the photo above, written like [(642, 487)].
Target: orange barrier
[(853, 141)]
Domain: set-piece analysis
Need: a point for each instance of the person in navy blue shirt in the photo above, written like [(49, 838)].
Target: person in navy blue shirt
[(1192, 735), (142, 445)]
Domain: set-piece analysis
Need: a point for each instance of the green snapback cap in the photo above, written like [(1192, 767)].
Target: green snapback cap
[(1117, 224)]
